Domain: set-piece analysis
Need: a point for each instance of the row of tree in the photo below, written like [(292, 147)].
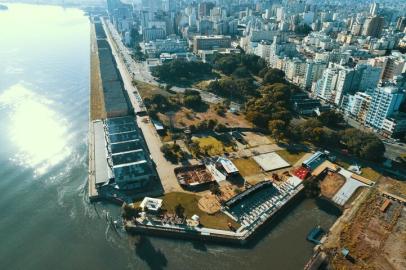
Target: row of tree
[(181, 71), (241, 65), (234, 89), (272, 108), (365, 145), (173, 152)]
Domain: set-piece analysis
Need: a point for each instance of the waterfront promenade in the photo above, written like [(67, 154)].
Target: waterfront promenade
[(241, 236), (164, 168)]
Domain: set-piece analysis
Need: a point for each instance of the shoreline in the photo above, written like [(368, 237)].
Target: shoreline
[(241, 237)]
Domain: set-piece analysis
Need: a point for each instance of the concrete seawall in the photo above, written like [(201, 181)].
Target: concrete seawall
[(210, 235)]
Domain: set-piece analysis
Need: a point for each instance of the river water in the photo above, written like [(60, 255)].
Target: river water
[(46, 221)]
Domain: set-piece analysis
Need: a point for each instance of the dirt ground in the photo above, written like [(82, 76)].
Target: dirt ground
[(331, 184), (393, 186), (375, 239), (211, 204), (255, 139)]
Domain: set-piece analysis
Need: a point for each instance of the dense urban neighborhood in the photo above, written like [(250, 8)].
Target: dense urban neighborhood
[(211, 118)]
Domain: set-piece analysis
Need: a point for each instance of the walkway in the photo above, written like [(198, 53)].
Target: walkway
[(346, 191)]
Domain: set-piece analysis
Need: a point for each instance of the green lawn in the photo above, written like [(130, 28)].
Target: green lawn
[(147, 90), (190, 203), (247, 166), (291, 157), (370, 173), (214, 147), (366, 172), (342, 163)]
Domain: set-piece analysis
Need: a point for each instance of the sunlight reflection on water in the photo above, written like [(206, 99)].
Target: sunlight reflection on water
[(37, 131)]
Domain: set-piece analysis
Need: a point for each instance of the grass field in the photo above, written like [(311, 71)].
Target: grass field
[(366, 172), (214, 147), (370, 173), (247, 167), (290, 157), (147, 90), (343, 163), (190, 203)]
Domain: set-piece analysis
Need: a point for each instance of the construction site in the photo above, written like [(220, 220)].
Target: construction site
[(195, 176), (371, 233)]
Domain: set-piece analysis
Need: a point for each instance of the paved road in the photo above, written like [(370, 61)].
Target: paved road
[(165, 168), (139, 71), (132, 91)]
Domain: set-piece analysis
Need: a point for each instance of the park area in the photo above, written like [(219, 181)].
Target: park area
[(247, 166), (147, 90), (190, 202), (291, 156), (185, 117), (214, 146)]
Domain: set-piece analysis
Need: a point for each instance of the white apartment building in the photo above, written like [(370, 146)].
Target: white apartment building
[(358, 106), (385, 102), (314, 71)]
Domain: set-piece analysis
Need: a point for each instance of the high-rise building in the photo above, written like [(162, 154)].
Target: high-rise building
[(325, 87), (263, 50), (367, 77), (345, 83), (374, 8), (295, 69), (392, 65), (358, 106), (385, 102), (314, 71), (401, 24), (210, 42), (373, 26), (153, 33), (204, 9)]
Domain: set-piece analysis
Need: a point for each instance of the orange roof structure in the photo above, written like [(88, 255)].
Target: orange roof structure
[(325, 165)]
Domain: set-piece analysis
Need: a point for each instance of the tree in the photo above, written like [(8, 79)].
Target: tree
[(180, 71), (240, 89), (274, 76), (215, 189), (227, 64), (194, 148), (277, 129), (258, 119), (220, 127), (179, 210), (303, 29), (193, 101), (363, 144), (241, 72), (373, 150), (129, 212), (312, 188), (263, 72), (331, 118)]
